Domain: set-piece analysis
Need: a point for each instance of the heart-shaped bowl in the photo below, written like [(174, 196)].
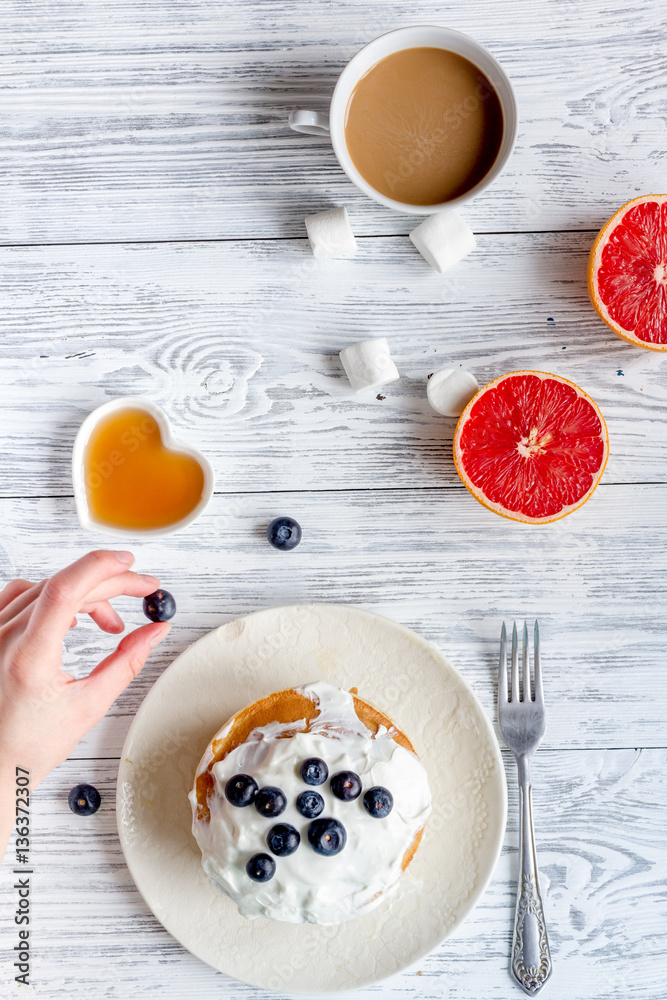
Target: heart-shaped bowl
[(84, 434)]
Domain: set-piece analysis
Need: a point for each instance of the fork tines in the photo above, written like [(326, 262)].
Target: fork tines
[(526, 691)]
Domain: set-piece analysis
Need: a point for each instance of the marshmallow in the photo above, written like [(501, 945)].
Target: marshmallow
[(449, 390), (330, 233), (368, 364), (443, 239)]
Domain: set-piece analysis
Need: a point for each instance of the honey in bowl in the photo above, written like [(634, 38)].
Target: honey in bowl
[(132, 480), (423, 126)]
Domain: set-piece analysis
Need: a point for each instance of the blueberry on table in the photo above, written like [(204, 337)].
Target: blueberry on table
[(284, 533), (241, 790), (84, 800), (327, 836), (261, 867), (314, 771), (283, 839), (378, 801), (160, 606), (346, 785), (310, 804), (270, 801)]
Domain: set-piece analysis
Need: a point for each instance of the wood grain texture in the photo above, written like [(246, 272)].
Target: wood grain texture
[(602, 846), (239, 341), (130, 125), (434, 560), (169, 121)]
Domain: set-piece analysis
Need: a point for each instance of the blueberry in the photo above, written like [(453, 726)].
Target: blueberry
[(241, 790), (346, 785), (310, 804), (314, 771), (283, 839), (284, 533), (327, 836), (270, 801), (160, 606), (261, 867), (84, 800), (378, 801)]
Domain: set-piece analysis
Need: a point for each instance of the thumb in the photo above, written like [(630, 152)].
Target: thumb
[(110, 677)]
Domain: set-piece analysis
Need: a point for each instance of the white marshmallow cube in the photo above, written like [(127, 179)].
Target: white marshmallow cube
[(330, 233), (449, 390), (368, 364), (443, 239)]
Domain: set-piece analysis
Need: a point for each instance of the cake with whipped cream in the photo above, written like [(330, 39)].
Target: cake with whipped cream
[(308, 806)]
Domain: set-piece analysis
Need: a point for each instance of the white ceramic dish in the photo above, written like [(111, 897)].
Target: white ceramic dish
[(78, 470), (404, 676), (415, 36)]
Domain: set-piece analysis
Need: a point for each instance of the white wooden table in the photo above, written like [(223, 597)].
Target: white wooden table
[(151, 221)]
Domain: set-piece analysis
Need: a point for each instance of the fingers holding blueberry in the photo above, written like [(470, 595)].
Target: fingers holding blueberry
[(160, 606)]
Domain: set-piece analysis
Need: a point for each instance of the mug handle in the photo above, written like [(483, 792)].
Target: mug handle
[(309, 122)]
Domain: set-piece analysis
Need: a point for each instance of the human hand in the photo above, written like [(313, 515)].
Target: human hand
[(44, 711)]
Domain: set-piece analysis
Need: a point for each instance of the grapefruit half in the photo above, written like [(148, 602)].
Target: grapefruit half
[(531, 446), (627, 272)]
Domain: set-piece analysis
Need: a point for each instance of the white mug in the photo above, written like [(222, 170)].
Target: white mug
[(428, 36)]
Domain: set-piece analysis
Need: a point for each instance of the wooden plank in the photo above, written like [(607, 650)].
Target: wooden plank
[(601, 832), (145, 120), (239, 341), (434, 560)]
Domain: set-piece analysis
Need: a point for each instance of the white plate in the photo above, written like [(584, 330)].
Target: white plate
[(405, 677)]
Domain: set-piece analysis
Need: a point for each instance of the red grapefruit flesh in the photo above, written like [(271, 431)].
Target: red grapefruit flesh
[(531, 446), (627, 272)]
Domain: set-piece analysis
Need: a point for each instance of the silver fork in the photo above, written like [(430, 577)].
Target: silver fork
[(523, 724)]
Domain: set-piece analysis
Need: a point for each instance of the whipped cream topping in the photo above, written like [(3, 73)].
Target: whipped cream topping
[(308, 886)]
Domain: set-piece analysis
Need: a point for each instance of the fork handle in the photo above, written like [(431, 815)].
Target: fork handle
[(531, 958)]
